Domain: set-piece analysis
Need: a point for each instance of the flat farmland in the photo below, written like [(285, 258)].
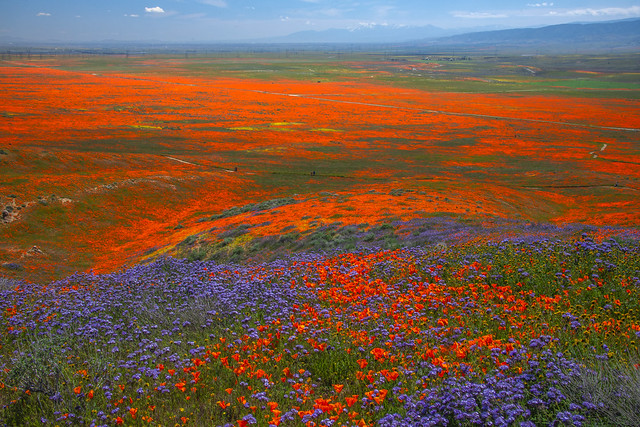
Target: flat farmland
[(107, 161)]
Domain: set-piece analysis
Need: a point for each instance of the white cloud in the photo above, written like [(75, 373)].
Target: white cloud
[(155, 9), (43, 14), (606, 11), (133, 15), (545, 4), (479, 15), (216, 3)]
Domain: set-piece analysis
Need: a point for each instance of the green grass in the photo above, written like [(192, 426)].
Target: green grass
[(584, 83), (618, 70)]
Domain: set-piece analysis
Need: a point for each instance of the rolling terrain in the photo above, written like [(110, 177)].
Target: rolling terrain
[(283, 239), (107, 161)]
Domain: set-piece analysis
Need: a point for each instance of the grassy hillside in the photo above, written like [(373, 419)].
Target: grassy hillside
[(520, 331), (106, 161), (319, 239)]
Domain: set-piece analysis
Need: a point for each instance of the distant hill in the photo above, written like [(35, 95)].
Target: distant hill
[(567, 37), (365, 34), (584, 37)]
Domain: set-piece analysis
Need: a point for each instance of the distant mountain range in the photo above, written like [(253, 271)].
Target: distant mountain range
[(375, 33), (623, 34), (583, 36)]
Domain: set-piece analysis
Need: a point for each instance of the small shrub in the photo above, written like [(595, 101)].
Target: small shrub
[(385, 226), (197, 254), (42, 369), (289, 237), (7, 284), (240, 230), (13, 266), (189, 240), (369, 237), (612, 388)]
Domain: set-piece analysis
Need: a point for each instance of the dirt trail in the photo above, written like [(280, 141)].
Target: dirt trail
[(181, 161)]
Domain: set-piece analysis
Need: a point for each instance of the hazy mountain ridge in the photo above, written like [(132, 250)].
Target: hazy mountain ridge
[(611, 34), (623, 34), (376, 33)]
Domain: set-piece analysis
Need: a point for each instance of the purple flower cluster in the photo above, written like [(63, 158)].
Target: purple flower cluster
[(497, 399)]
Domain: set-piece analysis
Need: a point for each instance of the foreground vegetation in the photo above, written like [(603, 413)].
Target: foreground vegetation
[(524, 331)]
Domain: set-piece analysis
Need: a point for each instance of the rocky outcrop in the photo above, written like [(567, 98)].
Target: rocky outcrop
[(10, 211)]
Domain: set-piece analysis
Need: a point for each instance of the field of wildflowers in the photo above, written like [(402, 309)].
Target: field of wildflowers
[(106, 159), (346, 240), (521, 331)]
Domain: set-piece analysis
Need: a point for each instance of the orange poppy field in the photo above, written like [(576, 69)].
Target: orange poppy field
[(319, 239), (106, 161)]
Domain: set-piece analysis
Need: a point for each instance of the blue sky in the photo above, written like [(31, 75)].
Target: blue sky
[(236, 20)]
